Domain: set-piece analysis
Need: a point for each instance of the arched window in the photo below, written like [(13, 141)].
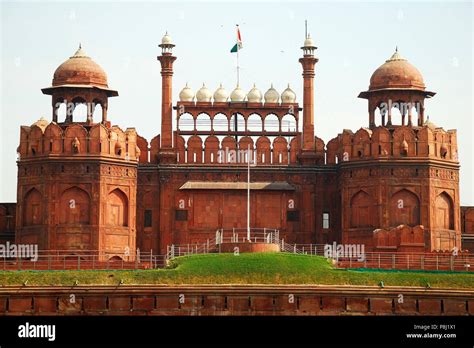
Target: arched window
[(117, 208), (444, 212), (237, 123), (404, 209), (74, 206), (220, 123), (254, 123), (288, 123), (61, 110), (97, 108), (272, 123), (32, 208), (79, 113), (186, 122), (203, 123), (361, 206)]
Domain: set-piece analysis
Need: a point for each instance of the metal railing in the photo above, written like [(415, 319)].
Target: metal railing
[(257, 235), (83, 260), (410, 261), (232, 235)]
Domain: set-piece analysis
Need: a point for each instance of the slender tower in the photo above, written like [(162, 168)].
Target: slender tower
[(167, 154), (308, 61)]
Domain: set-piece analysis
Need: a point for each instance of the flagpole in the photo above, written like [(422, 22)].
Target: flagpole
[(238, 77), (248, 192), (238, 48)]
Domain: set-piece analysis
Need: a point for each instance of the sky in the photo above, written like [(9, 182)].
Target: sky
[(353, 39)]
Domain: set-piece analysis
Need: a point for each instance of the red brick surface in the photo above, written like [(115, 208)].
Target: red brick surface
[(357, 304), (45, 305), (429, 306), (380, 305), (20, 304)]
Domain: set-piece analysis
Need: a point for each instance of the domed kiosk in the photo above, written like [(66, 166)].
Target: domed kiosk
[(79, 80), (396, 83)]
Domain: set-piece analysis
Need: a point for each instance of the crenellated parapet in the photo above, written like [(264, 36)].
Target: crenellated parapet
[(400, 143), (51, 140)]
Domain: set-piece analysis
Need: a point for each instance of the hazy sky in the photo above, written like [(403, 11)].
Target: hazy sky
[(353, 39)]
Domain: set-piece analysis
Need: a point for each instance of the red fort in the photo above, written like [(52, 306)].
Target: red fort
[(87, 185)]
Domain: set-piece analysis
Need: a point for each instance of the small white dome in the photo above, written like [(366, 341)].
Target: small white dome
[(288, 96), (221, 95), (166, 40), (186, 94), (271, 96), (42, 123), (308, 42), (237, 95), (204, 95), (254, 95)]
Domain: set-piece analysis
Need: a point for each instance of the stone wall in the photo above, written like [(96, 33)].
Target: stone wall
[(235, 300)]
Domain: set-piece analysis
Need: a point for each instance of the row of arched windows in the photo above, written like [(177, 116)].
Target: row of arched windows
[(75, 208), (237, 122), (404, 209)]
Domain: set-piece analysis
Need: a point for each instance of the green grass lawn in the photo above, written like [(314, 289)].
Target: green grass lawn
[(255, 268)]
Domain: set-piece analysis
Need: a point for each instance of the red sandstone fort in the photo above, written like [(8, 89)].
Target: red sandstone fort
[(87, 185)]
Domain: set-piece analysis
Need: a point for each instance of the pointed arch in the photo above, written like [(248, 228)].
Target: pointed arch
[(404, 208), (361, 206), (74, 206), (444, 212), (33, 208), (117, 208)]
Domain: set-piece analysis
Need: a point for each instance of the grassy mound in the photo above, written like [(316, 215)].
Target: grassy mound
[(252, 268)]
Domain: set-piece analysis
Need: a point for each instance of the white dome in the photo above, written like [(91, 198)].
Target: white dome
[(308, 42), (271, 96), (42, 123), (186, 94), (204, 95), (166, 40), (254, 95), (237, 95), (221, 95), (288, 96)]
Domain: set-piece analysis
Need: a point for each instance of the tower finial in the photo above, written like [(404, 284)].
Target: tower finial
[(396, 48), (80, 45)]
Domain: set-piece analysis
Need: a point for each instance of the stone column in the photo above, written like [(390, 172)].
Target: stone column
[(308, 62), (166, 60)]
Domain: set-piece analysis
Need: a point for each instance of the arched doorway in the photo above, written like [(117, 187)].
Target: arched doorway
[(444, 215), (117, 208), (404, 209), (361, 204), (32, 208), (74, 206)]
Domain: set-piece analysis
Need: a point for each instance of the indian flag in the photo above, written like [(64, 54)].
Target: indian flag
[(238, 46)]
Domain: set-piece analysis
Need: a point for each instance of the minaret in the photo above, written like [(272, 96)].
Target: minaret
[(166, 59), (308, 62)]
